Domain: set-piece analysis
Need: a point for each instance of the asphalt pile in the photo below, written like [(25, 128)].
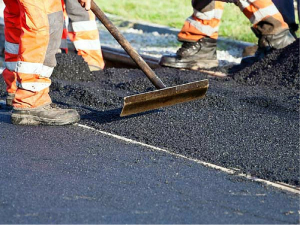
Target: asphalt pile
[(280, 68), (248, 121)]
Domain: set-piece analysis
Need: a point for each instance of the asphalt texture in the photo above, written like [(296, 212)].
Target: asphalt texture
[(248, 121), (72, 175)]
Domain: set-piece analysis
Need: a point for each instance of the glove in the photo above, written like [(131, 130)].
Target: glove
[(85, 4)]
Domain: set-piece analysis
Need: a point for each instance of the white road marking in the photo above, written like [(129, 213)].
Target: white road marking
[(281, 186)]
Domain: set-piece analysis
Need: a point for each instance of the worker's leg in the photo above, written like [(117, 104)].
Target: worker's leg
[(199, 36), (268, 26), (41, 29), (2, 6), (286, 8), (84, 33), (64, 41), (267, 21), (37, 52), (12, 40), (204, 22)]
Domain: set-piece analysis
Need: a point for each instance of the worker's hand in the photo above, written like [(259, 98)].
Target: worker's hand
[(85, 4)]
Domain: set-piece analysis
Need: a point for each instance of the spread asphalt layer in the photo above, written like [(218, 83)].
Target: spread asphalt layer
[(248, 121), (70, 175)]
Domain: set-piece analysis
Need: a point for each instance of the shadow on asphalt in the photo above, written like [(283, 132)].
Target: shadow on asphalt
[(107, 116), (111, 115)]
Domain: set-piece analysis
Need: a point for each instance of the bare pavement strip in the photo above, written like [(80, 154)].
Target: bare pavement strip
[(77, 175)]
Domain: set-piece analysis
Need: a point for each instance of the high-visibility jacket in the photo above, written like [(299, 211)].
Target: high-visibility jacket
[(32, 38), (81, 28), (205, 20)]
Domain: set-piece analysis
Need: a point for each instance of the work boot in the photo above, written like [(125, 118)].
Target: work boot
[(9, 99), (44, 115), (193, 55), (267, 43)]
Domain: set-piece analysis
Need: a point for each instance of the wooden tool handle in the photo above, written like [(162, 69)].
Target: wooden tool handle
[(127, 47)]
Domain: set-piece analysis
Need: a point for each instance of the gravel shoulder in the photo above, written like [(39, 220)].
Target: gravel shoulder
[(155, 40)]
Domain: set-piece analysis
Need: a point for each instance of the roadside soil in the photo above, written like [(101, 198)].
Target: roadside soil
[(248, 121)]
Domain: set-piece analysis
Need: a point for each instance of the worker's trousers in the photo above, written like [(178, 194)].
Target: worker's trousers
[(81, 28), (32, 38), (1, 12), (286, 8), (206, 18)]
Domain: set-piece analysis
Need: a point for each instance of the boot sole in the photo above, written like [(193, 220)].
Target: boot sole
[(203, 64), (35, 120)]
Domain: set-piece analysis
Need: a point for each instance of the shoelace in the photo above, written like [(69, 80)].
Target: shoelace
[(186, 46)]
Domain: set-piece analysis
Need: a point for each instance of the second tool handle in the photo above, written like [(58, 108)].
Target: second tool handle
[(127, 47)]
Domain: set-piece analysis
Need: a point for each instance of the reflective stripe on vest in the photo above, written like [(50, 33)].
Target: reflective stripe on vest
[(206, 29), (34, 86), (244, 4), (34, 68), (213, 14), (87, 44), (262, 13), (84, 26), (11, 65), (11, 48)]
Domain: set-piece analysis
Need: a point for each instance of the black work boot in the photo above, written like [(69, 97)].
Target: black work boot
[(193, 55), (44, 115), (266, 43)]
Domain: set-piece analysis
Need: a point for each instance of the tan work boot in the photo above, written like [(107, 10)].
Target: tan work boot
[(44, 115), (9, 99)]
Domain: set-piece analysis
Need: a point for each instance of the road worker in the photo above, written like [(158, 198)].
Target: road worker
[(32, 38), (287, 10), (200, 32), (81, 28), (82, 31)]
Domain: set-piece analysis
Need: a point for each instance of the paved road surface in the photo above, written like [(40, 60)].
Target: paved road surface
[(75, 175)]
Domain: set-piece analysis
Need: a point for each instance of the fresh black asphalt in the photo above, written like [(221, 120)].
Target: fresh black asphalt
[(75, 175), (248, 121)]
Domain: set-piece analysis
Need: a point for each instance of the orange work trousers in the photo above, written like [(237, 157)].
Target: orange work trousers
[(32, 37), (81, 28)]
